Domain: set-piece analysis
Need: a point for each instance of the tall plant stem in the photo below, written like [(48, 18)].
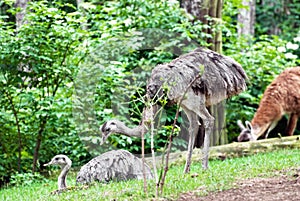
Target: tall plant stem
[(166, 168), (143, 159)]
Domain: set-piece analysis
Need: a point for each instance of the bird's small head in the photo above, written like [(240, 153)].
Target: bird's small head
[(154, 90), (61, 160), (108, 128), (155, 85), (245, 134)]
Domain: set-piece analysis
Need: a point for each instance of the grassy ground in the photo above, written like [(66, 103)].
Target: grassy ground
[(220, 176)]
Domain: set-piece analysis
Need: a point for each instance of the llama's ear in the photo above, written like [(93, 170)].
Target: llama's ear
[(248, 125), (240, 124)]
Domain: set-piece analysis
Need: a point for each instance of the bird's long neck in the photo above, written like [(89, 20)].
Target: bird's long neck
[(62, 178), (147, 117), (133, 132)]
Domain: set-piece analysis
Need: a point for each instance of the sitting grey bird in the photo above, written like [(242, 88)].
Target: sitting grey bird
[(116, 165)]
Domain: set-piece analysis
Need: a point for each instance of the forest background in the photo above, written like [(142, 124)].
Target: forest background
[(68, 66)]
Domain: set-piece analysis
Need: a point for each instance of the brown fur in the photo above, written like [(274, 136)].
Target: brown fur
[(281, 97)]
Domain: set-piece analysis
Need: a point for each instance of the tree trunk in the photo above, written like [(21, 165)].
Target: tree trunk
[(200, 9), (20, 15), (219, 135), (39, 142), (246, 18), (20, 138), (19, 21), (78, 2)]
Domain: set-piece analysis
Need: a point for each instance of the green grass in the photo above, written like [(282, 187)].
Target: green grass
[(220, 176)]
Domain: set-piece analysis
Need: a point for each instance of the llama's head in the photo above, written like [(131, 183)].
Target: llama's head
[(246, 130)]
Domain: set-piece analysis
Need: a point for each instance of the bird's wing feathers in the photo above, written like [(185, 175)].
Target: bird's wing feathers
[(222, 76), (113, 165)]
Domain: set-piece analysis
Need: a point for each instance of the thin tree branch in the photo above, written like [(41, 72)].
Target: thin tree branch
[(144, 161), (166, 168), (15, 113)]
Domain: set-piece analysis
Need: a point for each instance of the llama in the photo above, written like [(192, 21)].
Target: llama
[(281, 97)]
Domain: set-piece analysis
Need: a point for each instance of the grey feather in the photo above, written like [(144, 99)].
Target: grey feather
[(222, 77), (116, 165), (196, 80), (113, 165)]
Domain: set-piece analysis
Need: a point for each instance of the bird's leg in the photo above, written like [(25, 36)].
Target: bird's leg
[(190, 152), (208, 125), (194, 106), (193, 130)]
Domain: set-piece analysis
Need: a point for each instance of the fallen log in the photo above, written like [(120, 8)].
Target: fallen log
[(236, 149)]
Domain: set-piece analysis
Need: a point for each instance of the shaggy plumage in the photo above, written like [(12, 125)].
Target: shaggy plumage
[(114, 165), (219, 78)]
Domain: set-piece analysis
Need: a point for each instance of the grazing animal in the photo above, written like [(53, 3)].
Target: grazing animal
[(113, 165), (218, 77), (281, 97)]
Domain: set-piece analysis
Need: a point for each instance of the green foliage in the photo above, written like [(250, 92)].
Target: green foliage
[(114, 17), (37, 66), (27, 179), (67, 70), (278, 17)]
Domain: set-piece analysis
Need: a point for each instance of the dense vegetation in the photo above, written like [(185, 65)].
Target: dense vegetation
[(66, 70)]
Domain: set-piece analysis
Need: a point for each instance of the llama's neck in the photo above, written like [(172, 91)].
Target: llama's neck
[(256, 132), (62, 178), (266, 116), (260, 126)]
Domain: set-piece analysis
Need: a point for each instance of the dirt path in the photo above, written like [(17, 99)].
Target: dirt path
[(279, 188)]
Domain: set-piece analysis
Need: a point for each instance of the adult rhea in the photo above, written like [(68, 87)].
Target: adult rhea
[(200, 78)]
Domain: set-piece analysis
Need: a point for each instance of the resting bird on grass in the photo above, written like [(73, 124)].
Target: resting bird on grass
[(199, 79), (116, 165)]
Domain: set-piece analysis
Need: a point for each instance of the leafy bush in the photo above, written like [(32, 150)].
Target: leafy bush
[(26, 179), (37, 65), (278, 17)]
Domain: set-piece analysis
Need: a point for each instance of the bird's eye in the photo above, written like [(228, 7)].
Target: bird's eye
[(107, 129), (56, 159), (113, 123)]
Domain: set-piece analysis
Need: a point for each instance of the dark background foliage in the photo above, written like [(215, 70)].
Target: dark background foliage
[(53, 97)]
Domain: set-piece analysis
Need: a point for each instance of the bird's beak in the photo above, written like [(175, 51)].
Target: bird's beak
[(47, 164), (104, 138)]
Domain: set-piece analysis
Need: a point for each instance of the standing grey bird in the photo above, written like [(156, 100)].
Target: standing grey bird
[(114, 165), (208, 78)]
